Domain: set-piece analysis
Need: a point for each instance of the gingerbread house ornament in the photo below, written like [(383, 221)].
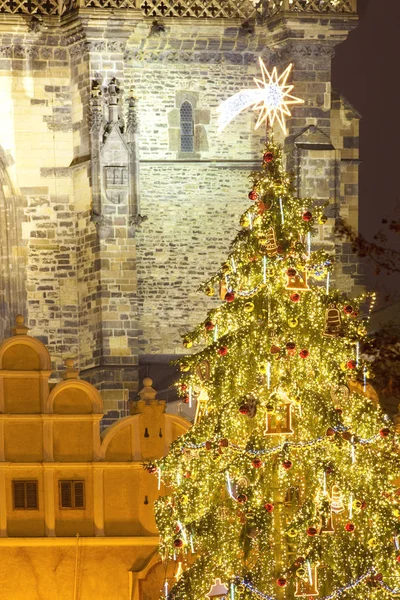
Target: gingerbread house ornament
[(307, 586), (298, 281), (327, 524), (279, 422)]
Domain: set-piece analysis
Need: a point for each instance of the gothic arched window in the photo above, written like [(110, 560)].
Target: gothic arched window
[(187, 128)]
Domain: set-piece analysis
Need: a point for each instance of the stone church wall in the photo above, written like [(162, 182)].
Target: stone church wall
[(35, 81), (107, 272)]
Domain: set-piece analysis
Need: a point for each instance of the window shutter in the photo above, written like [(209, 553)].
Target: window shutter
[(25, 495), (31, 494), (66, 494), (19, 494), (79, 490)]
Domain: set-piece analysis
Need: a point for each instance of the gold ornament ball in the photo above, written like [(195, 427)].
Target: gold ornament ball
[(293, 322), (357, 504), (322, 219), (343, 366), (248, 307), (291, 532), (187, 343), (372, 543), (262, 369)]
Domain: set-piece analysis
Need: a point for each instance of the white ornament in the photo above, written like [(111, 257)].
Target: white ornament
[(218, 590), (271, 98)]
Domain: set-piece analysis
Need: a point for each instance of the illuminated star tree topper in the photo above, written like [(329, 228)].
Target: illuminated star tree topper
[(271, 98)]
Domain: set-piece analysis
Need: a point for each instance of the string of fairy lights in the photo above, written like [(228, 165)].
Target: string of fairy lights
[(335, 594), (287, 445), (240, 581)]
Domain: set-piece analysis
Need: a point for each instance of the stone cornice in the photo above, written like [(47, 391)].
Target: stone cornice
[(21, 542), (289, 51)]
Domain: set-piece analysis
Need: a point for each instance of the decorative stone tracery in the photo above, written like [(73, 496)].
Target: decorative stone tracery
[(211, 9)]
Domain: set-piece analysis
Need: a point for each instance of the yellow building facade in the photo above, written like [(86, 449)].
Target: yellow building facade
[(76, 507)]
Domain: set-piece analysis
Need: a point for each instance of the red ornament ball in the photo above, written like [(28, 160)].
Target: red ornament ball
[(363, 505), (269, 507), (188, 475), (338, 410), (291, 272), (183, 387), (350, 527), (287, 464), (300, 561), (208, 445), (329, 470), (185, 399), (178, 543), (209, 325), (275, 349), (307, 216), (253, 195), (398, 558), (290, 346), (151, 469), (281, 582), (244, 409), (242, 498), (230, 296), (268, 157), (330, 432), (223, 351), (295, 297), (384, 432), (177, 528), (351, 364), (348, 309), (257, 463), (304, 353), (224, 443), (311, 531)]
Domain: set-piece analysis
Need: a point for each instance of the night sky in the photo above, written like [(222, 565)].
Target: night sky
[(366, 72)]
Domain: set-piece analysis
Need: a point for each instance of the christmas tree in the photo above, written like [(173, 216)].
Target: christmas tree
[(285, 485)]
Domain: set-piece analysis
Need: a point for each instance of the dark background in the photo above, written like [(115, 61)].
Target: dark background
[(366, 71)]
